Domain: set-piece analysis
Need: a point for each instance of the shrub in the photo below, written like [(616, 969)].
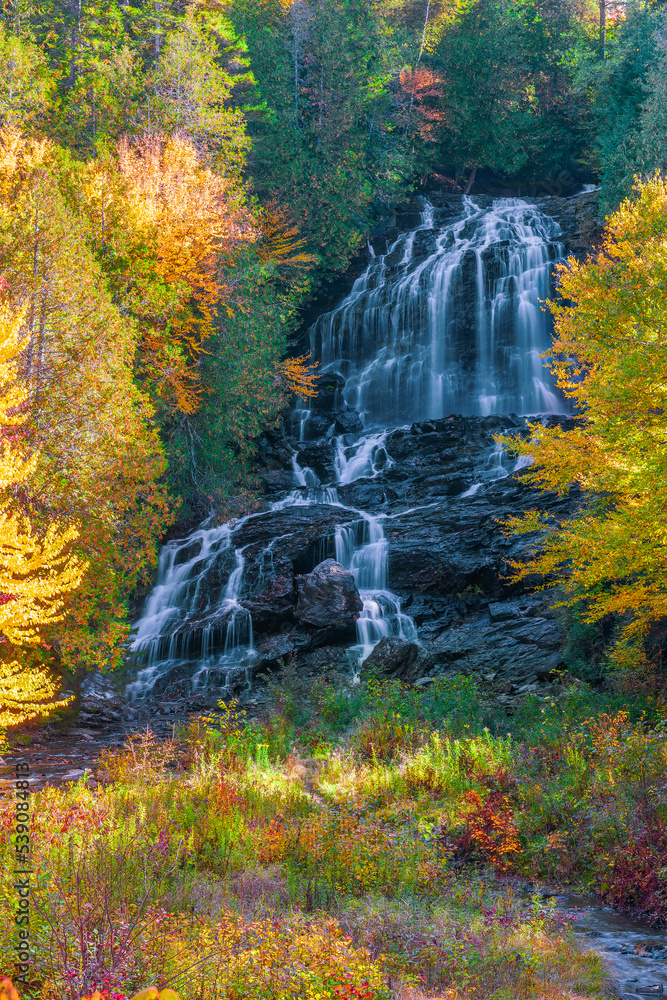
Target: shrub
[(454, 699), (347, 853), (452, 767), (382, 737), (274, 958), (143, 758), (340, 704), (491, 831), (634, 875)]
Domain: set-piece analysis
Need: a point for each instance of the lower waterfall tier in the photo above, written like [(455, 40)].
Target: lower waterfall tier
[(416, 531)]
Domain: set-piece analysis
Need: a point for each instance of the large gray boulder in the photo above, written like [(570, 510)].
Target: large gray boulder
[(329, 597), (394, 657)]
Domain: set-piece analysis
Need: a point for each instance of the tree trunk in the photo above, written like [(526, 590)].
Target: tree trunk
[(158, 28), (603, 29), (124, 4), (421, 52), (31, 320), (471, 181)]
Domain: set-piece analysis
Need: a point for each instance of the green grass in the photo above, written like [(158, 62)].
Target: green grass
[(401, 821)]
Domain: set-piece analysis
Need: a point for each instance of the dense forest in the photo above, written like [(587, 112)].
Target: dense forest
[(177, 183), (182, 185)]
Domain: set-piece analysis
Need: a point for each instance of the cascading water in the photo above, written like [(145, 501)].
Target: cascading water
[(162, 641), (449, 319), (362, 547), (365, 458)]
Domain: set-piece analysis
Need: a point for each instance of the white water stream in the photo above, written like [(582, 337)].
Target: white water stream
[(361, 546)]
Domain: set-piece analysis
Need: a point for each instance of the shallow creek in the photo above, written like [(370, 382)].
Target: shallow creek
[(635, 953)]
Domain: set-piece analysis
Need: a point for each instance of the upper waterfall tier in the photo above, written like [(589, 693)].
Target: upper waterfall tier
[(449, 320)]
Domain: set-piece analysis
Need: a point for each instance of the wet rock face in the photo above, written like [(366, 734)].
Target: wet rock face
[(443, 493), (329, 597), (440, 490), (99, 700)]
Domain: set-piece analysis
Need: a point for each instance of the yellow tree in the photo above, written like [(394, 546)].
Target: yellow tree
[(100, 455), (610, 357), (37, 569)]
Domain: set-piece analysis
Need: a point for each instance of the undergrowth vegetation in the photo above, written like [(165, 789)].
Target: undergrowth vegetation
[(370, 841)]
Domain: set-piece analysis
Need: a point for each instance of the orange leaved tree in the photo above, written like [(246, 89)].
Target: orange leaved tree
[(166, 226), (100, 456)]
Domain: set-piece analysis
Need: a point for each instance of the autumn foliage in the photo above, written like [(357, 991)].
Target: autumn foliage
[(37, 567), (99, 454), (491, 830), (423, 114), (334, 877), (9, 992), (171, 228), (610, 357)]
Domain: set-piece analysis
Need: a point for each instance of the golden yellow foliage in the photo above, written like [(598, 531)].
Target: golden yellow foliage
[(610, 357), (26, 693), (280, 241), (8, 992), (35, 571), (100, 457), (297, 376)]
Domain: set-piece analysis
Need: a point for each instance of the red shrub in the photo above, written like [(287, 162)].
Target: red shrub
[(490, 830), (634, 875), (227, 797)]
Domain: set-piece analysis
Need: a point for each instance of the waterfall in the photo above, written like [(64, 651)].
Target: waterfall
[(162, 640), (449, 320), (363, 548), (366, 458)]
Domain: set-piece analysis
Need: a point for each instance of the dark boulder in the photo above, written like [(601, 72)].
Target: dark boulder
[(329, 387), (329, 597), (348, 422), (393, 657), (274, 605), (277, 480)]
